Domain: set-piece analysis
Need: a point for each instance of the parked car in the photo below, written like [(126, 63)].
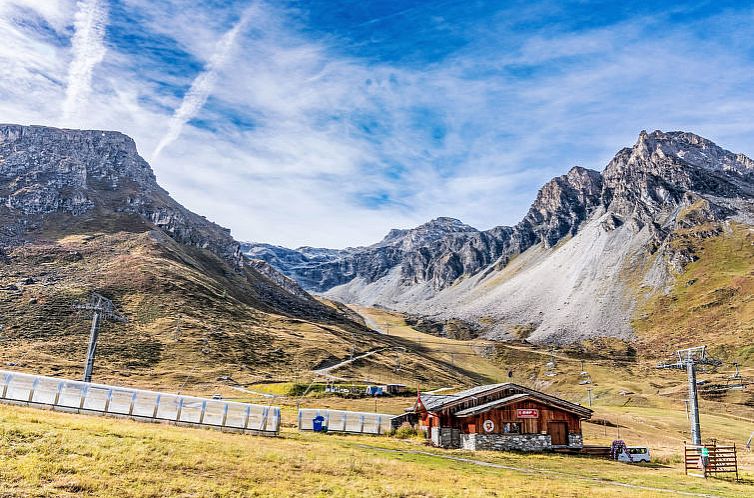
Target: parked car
[(634, 454), (217, 396)]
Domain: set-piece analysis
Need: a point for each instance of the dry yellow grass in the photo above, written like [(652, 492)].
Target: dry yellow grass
[(711, 303), (193, 323), (54, 454)]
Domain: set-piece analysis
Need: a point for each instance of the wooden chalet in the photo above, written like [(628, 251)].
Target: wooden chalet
[(501, 417)]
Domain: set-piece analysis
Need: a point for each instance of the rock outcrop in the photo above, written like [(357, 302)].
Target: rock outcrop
[(88, 173), (443, 251)]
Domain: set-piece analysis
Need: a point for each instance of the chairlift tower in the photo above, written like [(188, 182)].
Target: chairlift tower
[(687, 360), (101, 308)]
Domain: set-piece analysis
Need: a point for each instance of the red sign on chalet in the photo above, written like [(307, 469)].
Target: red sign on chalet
[(527, 413)]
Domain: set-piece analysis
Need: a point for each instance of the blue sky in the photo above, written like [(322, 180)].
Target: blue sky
[(329, 122)]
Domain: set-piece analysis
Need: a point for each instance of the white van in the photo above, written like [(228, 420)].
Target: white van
[(634, 454)]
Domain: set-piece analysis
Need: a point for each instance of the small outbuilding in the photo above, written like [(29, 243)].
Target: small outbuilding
[(501, 417), (395, 388)]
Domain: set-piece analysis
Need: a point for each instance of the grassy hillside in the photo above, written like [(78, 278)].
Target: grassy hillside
[(711, 302), (195, 323), (622, 379), (53, 454)]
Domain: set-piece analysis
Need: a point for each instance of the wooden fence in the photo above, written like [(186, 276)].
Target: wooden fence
[(721, 459)]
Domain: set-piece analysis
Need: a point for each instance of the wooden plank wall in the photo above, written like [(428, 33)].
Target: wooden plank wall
[(528, 425), (501, 415)]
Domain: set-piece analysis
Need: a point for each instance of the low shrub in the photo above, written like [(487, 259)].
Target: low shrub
[(405, 431)]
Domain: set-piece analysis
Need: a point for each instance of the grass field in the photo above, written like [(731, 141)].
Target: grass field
[(54, 454)]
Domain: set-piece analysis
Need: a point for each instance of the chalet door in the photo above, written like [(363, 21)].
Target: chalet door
[(558, 432)]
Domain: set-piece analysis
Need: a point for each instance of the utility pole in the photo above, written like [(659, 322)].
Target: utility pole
[(687, 360), (101, 308)]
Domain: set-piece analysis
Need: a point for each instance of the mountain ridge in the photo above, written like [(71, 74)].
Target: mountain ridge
[(81, 211), (49, 170), (640, 196)]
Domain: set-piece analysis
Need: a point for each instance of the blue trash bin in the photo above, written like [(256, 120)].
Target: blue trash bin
[(318, 423)]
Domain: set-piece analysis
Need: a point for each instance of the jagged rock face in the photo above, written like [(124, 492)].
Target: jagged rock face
[(583, 237), (77, 172), (441, 251), (663, 168), (278, 278), (561, 206), (301, 264), (46, 169), (444, 251)]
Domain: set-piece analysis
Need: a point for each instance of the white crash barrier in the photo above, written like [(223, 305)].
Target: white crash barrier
[(83, 397), (344, 421)]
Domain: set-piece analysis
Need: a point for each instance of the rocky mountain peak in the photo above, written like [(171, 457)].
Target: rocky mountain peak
[(656, 173), (90, 176), (647, 185), (439, 227), (447, 224), (82, 155), (577, 173), (427, 232), (561, 205), (692, 149)]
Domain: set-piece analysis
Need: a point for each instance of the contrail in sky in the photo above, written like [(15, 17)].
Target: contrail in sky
[(88, 46), (202, 85)]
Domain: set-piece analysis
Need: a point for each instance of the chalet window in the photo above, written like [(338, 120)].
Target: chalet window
[(511, 428)]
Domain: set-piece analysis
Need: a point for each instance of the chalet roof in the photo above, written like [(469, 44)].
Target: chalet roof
[(435, 402), (432, 401), (542, 399), (492, 404)]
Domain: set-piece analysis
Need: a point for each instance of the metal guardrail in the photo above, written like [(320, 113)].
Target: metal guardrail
[(152, 406), (345, 421)]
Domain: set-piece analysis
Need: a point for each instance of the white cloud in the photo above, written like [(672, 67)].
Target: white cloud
[(88, 47), (203, 84), (298, 168)]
